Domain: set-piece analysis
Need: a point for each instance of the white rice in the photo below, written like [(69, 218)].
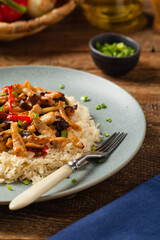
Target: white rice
[(13, 168)]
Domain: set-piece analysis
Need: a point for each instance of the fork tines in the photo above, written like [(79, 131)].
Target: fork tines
[(112, 142)]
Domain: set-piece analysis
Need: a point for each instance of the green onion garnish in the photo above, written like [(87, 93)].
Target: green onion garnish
[(9, 187), (3, 94), (109, 120), (64, 104), (1, 109), (36, 115), (19, 130), (15, 93), (103, 105), (26, 182), (39, 153), (20, 122), (73, 180), (84, 98), (106, 134), (115, 49), (100, 160), (94, 147), (61, 86), (98, 107), (67, 177), (64, 133)]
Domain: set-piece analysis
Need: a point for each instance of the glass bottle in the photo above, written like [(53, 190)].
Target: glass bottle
[(115, 15), (156, 8)]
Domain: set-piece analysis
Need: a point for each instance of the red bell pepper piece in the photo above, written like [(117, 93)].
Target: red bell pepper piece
[(1, 17), (15, 118), (10, 98), (13, 9)]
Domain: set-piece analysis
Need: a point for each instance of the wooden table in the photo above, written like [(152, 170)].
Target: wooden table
[(66, 45)]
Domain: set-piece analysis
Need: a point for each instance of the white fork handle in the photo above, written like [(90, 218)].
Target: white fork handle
[(33, 193)]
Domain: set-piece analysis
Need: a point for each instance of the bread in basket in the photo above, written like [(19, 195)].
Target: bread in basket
[(22, 28)]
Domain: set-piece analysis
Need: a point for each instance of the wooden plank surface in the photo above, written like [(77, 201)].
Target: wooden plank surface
[(66, 45)]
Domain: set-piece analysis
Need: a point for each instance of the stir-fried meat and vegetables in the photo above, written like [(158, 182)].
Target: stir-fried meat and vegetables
[(34, 119)]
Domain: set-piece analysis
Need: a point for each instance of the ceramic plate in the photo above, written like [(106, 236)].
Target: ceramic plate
[(122, 108)]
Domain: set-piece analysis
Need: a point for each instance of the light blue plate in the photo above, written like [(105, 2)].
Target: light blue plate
[(122, 108)]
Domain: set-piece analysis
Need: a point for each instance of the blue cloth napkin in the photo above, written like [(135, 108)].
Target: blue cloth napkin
[(134, 216)]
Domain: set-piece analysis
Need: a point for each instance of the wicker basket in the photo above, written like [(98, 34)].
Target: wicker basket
[(19, 29)]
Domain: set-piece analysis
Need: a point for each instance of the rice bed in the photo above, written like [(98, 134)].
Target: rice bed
[(13, 168)]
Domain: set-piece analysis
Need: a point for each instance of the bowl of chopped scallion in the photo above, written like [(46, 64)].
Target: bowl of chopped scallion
[(114, 54)]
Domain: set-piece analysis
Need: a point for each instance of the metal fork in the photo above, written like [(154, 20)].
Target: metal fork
[(34, 192), (104, 150)]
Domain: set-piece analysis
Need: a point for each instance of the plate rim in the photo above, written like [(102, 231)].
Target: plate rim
[(95, 182)]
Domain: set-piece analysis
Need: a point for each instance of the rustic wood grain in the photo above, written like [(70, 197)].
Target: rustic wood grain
[(66, 44)]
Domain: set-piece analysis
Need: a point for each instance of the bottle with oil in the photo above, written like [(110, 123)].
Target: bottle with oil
[(115, 15)]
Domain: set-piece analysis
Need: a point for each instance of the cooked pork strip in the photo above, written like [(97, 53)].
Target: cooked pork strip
[(18, 143), (43, 129), (36, 109), (5, 134), (34, 145), (29, 92), (9, 143), (74, 139), (48, 118), (36, 139), (59, 142)]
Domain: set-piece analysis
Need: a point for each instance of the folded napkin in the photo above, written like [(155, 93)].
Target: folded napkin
[(134, 216)]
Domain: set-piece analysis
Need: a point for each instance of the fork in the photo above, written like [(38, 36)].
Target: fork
[(34, 192)]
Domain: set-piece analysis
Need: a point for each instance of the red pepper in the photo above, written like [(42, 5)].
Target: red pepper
[(13, 9), (37, 152), (1, 17), (15, 118), (10, 98)]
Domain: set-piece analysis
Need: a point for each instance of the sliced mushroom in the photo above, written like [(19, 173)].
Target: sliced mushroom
[(65, 117)]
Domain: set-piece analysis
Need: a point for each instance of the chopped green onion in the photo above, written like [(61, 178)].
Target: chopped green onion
[(84, 98), (20, 122), (61, 86), (44, 136), (9, 187), (13, 5), (64, 133), (67, 177), (1, 109), (94, 147), (106, 134), (100, 160), (98, 107), (109, 120), (73, 180), (98, 46), (3, 94), (64, 104), (26, 182), (115, 49), (39, 153), (19, 130), (103, 105), (36, 115), (15, 93)]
